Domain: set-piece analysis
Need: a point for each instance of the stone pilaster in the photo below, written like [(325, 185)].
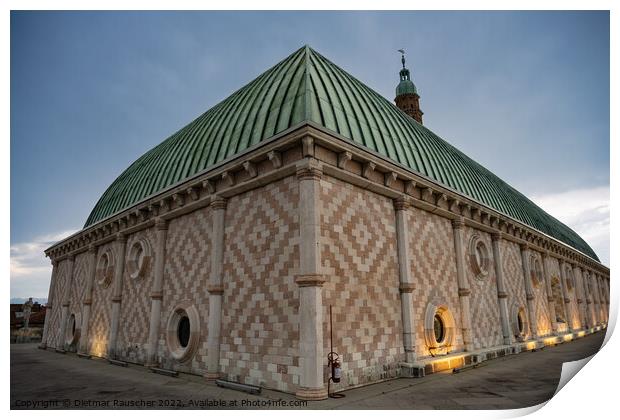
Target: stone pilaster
[(529, 291), (589, 298), (310, 281), (464, 291), (64, 314), (598, 285), (550, 297), (88, 299), (565, 297), (215, 288), (406, 287), (161, 227), (594, 293), (502, 294), (117, 295), (586, 304), (49, 305)]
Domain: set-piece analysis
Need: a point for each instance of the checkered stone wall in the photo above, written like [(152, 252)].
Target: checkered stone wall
[(541, 304), (60, 286), (78, 288), (358, 251), (135, 310), (260, 331), (485, 318), (101, 310), (513, 278), (186, 275), (433, 270)]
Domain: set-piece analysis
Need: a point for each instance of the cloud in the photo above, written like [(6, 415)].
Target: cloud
[(30, 269), (586, 211)]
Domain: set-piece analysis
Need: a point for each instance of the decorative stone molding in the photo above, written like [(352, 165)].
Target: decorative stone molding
[(313, 172), (427, 195), (250, 168), (71, 335), (161, 224), (401, 203), (389, 178), (228, 179), (177, 351), (209, 186), (441, 309), (479, 259), (410, 187), (192, 193), (458, 223), (310, 280), (518, 314), (406, 287), (343, 159), (215, 289), (464, 291), (139, 258), (367, 169), (275, 158), (218, 203), (307, 144), (105, 268)]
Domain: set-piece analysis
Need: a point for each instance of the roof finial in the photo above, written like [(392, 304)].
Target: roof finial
[(402, 57)]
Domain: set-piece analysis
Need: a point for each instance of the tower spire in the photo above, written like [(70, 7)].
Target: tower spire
[(407, 98)]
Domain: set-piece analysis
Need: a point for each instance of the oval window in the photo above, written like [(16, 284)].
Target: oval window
[(439, 329), (183, 331)]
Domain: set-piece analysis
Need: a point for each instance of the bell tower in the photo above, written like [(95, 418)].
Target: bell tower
[(407, 98)]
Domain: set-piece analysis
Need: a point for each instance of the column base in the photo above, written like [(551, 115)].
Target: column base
[(212, 376), (311, 394), (151, 365), (42, 346)]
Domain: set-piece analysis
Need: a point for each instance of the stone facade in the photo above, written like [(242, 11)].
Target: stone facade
[(252, 255)]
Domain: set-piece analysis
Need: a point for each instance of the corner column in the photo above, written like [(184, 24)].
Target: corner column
[(464, 292), (529, 292), (119, 269), (502, 295), (161, 227), (215, 287), (406, 287), (565, 298), (596, 302), (48, 306), (88, 299), (64, 314), (310, 281)]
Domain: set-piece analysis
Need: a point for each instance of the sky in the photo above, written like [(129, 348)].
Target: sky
[(526, 94)]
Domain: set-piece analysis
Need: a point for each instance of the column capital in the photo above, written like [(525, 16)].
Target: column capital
[(311, 170), (161, 224), (310, 280), (497, 236), (92, 248), (218, 203), (458, 223), (54, 262), (71, 257), (524, 247), (121, 238), (401, 203)]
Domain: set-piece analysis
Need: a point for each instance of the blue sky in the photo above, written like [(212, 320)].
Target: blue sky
[(526, 94)]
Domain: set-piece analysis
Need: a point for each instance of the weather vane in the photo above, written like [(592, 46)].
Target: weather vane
[(402, 52)]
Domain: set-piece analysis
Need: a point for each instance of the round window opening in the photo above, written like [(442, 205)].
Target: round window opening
[(104, 270), (478, 257), (183, 331), (139, 259), (439, 329)]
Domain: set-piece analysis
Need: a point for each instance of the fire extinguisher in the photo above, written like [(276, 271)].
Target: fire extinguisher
[(334, 361)]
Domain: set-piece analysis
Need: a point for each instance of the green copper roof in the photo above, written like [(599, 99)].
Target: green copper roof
[(307, 87)]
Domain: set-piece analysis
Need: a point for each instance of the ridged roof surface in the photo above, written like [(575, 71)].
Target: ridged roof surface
[(307, 87)]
